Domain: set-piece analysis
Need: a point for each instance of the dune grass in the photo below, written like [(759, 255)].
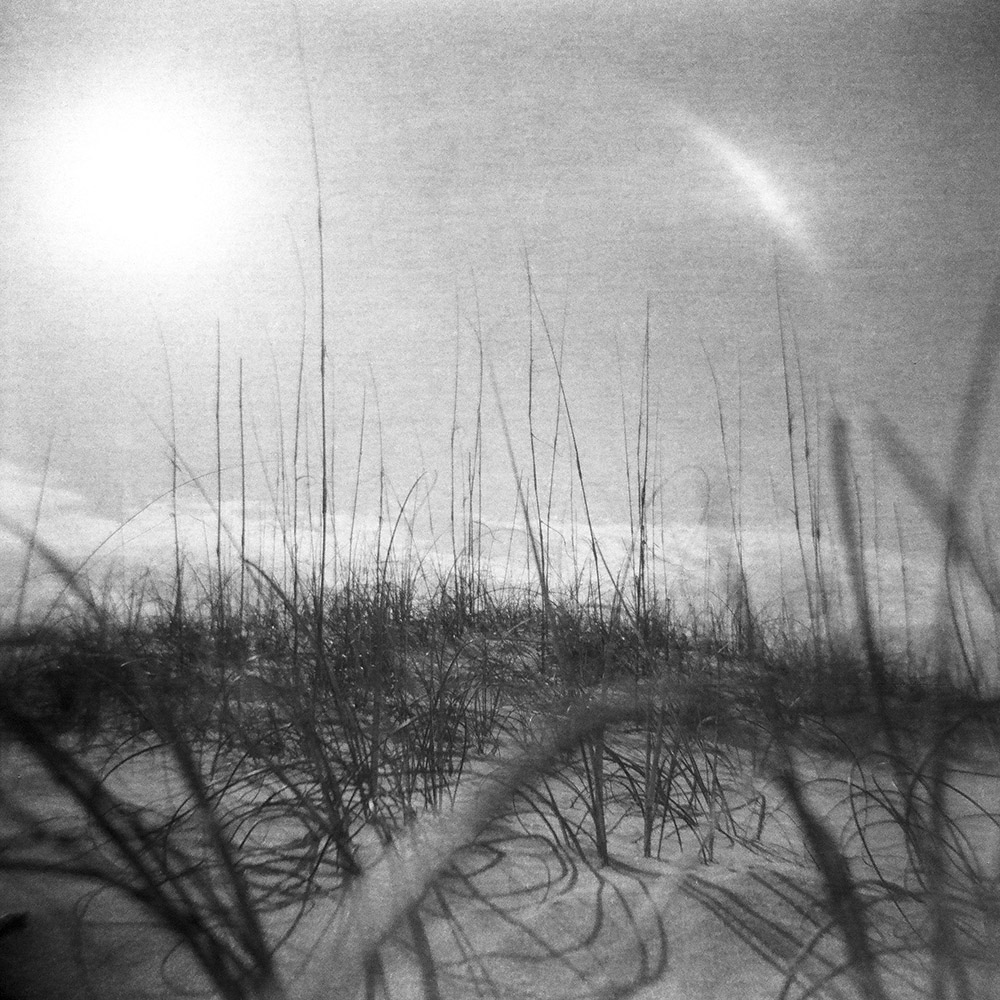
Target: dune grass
[(347, 735)]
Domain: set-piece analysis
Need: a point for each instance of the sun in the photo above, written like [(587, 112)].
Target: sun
[(140, 184)]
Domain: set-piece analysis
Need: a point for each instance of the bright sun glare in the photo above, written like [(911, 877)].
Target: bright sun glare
[(141, 185)]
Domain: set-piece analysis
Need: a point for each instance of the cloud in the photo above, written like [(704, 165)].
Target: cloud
[(694, 565)]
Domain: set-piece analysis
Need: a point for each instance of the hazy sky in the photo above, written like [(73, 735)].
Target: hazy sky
[(157, 184)]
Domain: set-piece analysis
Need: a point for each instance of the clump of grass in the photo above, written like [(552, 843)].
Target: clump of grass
[(339, 762), (334, 732), (923, 781)]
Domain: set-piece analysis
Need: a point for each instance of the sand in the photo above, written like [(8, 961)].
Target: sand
[(517, 916)]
